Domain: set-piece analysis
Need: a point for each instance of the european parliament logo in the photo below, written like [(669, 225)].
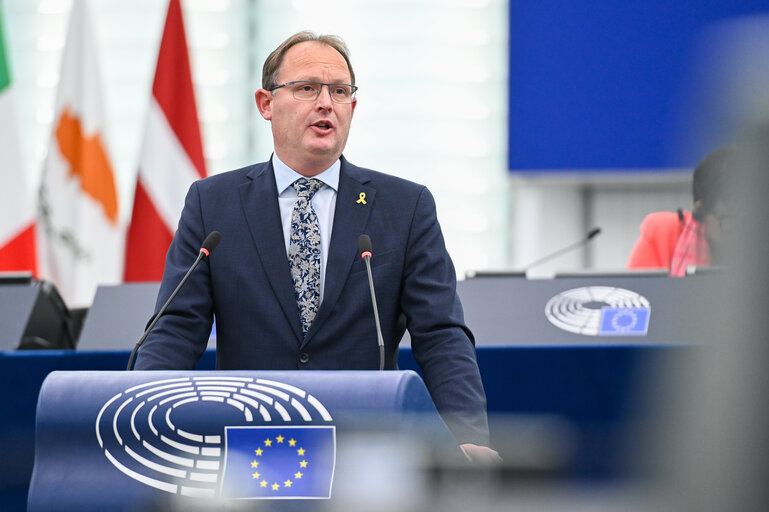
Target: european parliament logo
[(295, 462), (221, 436), (600, 311)]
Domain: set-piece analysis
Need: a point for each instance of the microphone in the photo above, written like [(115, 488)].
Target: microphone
[(364, 249), (209, 244), (590, 235)]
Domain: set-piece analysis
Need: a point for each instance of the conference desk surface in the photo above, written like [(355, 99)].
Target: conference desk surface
[(586, 310)]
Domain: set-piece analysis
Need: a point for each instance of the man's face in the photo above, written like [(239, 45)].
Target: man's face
[(308, 135)]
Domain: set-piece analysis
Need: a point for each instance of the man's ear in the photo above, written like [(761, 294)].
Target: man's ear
[(264, 99)]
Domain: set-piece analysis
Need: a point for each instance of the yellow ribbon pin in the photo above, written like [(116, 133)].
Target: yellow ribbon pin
[(361, 198)]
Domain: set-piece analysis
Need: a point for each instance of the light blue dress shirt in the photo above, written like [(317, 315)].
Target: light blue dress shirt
[(323, 202)]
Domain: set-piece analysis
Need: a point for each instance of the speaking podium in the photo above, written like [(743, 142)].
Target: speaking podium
[(151, 440)]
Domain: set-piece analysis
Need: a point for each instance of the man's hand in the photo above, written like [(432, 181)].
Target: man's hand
[(480, 455)]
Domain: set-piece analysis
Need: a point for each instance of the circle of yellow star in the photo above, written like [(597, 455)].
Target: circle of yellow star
[(275, 486)]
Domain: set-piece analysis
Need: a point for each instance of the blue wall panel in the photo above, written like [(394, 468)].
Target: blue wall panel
[(603, 84)]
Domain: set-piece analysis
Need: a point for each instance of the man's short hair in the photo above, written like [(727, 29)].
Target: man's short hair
[(275, 59)]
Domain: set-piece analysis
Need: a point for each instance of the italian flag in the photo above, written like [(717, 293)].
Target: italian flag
[(171, 159), (17, 215)]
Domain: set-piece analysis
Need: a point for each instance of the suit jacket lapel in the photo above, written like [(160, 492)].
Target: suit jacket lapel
[(350, 218), (259, 198)]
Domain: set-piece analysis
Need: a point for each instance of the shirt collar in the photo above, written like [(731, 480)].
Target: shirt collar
[(285, 176)]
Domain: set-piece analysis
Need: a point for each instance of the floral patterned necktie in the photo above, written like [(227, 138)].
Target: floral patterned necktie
[(304, 251)]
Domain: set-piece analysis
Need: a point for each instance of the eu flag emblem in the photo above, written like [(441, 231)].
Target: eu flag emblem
[(624, 321), (282, 462)]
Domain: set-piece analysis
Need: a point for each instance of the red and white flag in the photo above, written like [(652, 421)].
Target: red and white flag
[(172, 156), (79, 236), (17, 215)]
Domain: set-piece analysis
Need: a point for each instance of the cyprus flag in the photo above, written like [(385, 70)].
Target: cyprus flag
[(79, 235)]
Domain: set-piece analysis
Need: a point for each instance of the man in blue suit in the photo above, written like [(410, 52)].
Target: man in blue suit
[(278, 307)]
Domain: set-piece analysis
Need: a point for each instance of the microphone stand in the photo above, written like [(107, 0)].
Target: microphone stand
[(364, 248), (592, 234), (380, 340), (211, 241)]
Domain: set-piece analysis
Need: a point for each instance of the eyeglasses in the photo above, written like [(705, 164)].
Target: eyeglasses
[(304, 90)]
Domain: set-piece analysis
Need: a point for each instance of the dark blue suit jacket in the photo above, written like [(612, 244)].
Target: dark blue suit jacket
[(247, 285)]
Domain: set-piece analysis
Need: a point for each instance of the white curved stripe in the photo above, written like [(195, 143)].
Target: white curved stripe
[(115, 417), (98, 417), (172, 387), (260, 396), (204, 477), (213, 440), (213, 399), (218, 388), (179, 473), (168, 420), (299, 407), (246, 410), (196, 492), (283, 396), (622, 294), (150, 422), (215, 393), (288, 387), (155, 382), (165, 169), (169, 392), (211, 452), (133, 421), (265, 413), (177, 397), (214, 383), (236, 403), (234, 379), (169, 457), (157, 484), (192, 437), (250, 401), (319, 407), (208, 464), (598, 293), (181, 446), (187, 401), (282, 411)]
